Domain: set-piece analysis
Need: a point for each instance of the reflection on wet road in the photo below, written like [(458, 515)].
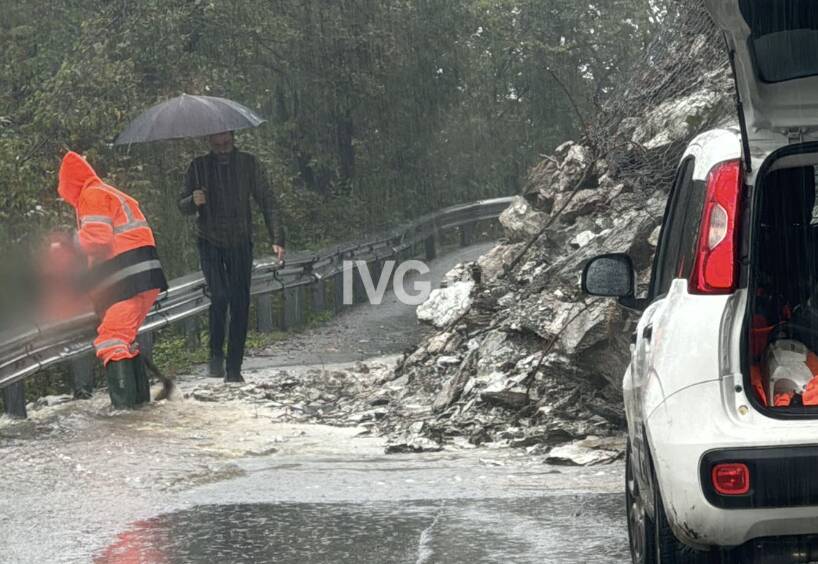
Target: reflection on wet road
[(568, 528)]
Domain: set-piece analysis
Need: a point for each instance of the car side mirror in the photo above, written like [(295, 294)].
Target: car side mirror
[(610, 276)]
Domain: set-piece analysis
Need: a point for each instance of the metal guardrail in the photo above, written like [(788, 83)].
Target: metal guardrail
[(34, 348)]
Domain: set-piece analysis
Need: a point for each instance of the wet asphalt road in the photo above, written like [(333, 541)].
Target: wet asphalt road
[(563, 527), (189, 481)]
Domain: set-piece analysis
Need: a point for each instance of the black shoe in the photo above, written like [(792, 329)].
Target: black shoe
[(84, 393), (216, 367), (233, 376)]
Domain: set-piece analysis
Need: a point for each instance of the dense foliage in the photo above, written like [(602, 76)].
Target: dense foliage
[(377, 110)]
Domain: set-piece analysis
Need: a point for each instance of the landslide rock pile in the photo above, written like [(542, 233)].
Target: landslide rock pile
[(526, 360)]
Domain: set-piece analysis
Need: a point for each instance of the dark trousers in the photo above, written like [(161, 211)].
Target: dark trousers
[(227, 272)]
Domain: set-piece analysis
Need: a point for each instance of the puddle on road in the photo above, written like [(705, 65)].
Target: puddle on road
[(469, 531)]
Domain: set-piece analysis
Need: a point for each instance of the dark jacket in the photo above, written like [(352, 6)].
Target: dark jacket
[(225, 220)]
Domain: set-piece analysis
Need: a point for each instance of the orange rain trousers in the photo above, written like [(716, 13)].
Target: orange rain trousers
[(120, 325)]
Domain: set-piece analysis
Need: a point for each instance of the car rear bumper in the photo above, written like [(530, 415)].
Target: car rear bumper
[(780, 477), (693, 430), (777, 550)]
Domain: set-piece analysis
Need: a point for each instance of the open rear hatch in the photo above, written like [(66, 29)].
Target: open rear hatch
[(773, 49), (775, 43)]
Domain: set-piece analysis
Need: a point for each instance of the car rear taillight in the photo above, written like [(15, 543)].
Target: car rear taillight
[(731, 479), (714, 271)]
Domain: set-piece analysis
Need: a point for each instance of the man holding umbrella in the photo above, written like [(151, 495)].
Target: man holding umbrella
[(218, 188)]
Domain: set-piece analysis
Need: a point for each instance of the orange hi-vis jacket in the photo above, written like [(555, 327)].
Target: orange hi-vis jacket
[(113, 233)]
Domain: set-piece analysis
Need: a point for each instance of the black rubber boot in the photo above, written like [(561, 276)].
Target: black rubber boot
[(216, 367), (143, 385), (121, 376)]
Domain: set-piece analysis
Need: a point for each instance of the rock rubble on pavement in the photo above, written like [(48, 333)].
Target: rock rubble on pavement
[(530, 362), (355, 396)]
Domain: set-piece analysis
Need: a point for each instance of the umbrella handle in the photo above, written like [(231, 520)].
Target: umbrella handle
[(199, 207)]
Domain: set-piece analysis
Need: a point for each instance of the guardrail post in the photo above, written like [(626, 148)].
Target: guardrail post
[(496, 229), (338, 280), (466, 234), (317, 296), (375, 271), (431, 247), (358, 290), (338, 291), (264, 313), (82, 376), (193, 339), (14, 400), (293, 308)]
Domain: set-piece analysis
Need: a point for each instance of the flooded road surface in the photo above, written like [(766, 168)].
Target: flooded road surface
[(190, 481), (228, 481)]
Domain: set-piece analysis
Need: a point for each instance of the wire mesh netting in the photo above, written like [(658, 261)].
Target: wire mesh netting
[(679, 88)]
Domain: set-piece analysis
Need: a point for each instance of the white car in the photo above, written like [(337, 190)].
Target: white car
[(722, 462)]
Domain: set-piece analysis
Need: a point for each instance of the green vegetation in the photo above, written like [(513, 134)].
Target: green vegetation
[(172, 354), (377, 110)]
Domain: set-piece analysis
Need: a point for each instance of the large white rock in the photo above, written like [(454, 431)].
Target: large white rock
[(677, 118), (437, 343), (520, 221), (582, 239), (444, 305), (51, 401), (506, 390), (578, 454), (491, 263), (573, 166)]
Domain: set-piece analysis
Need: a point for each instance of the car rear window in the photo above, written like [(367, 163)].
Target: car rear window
[(784, 38), (677, 245)]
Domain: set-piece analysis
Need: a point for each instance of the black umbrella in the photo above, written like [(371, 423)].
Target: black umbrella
[(188, 116)]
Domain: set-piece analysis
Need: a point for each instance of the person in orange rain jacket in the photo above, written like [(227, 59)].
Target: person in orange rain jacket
[(125, 275)]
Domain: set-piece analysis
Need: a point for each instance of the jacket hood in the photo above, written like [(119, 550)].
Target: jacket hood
[(75, 173)]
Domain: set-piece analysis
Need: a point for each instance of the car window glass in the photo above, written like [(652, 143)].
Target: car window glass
[(689, 232), (784, 38), (677, 243), (814, 216)]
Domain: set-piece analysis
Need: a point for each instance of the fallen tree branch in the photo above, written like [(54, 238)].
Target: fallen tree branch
[(508, 268)]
